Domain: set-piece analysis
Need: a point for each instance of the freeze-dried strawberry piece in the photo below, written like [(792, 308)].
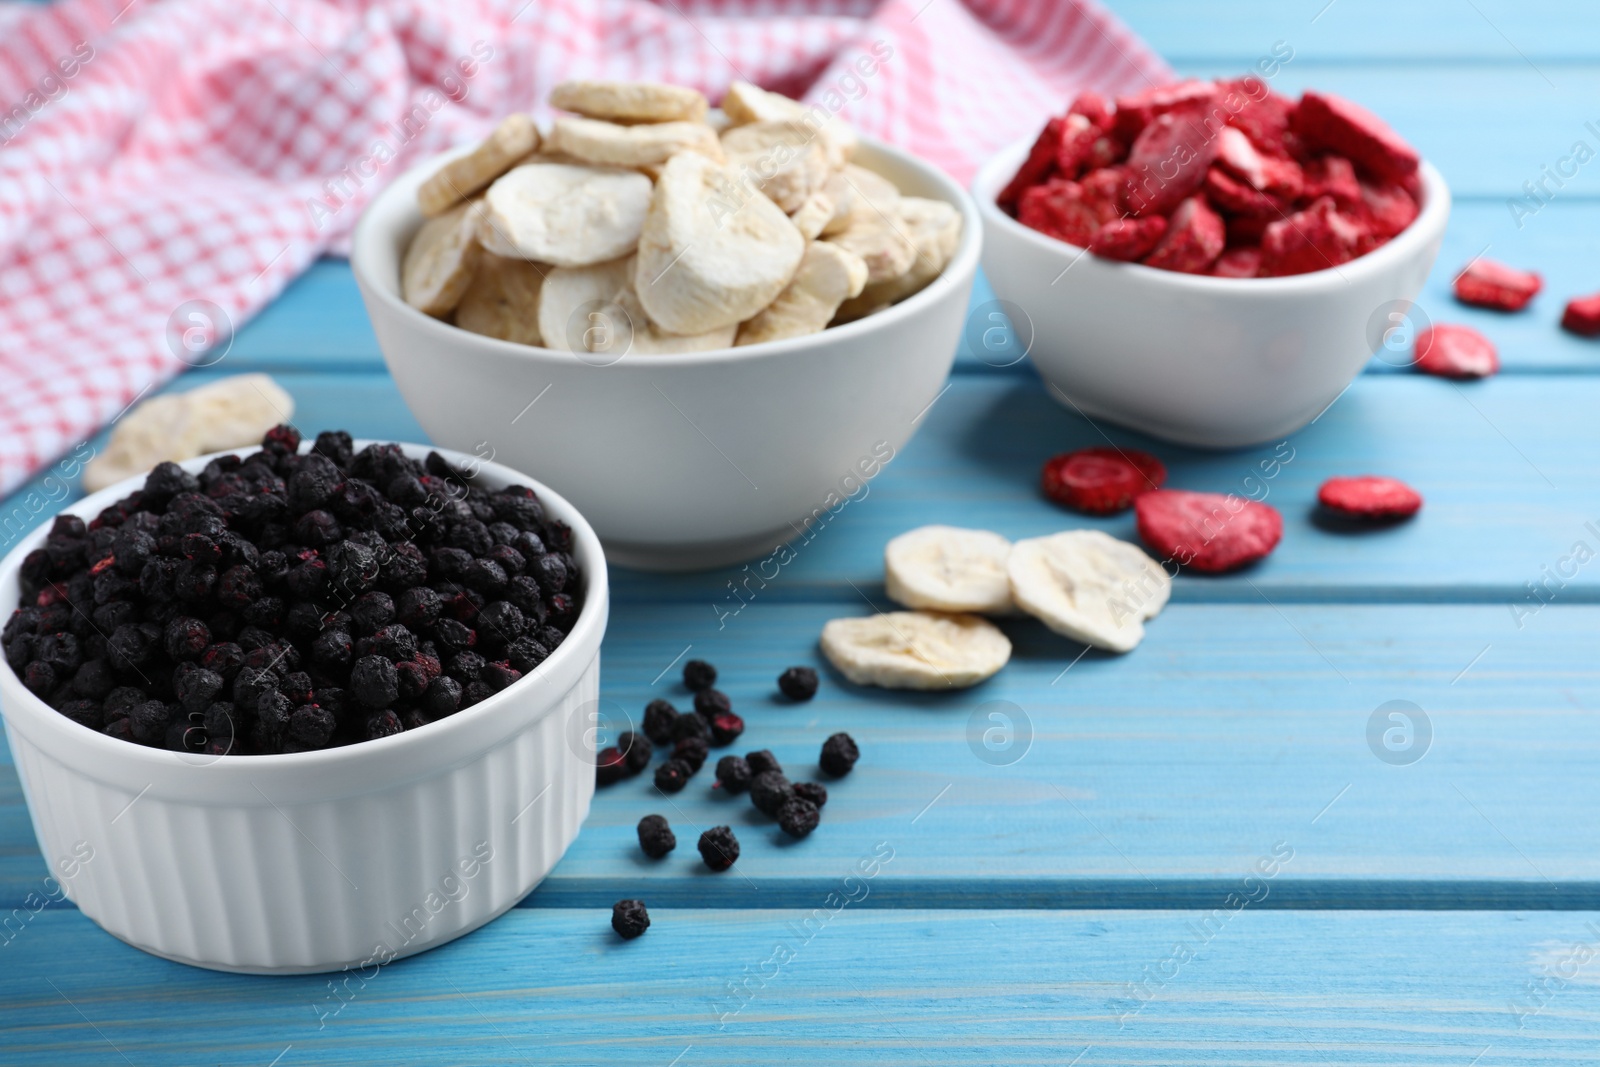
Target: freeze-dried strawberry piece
[(1128, 239), (1333, 176), (1314, 239), (1034, 169), (1582, 316), (1209, 532), (1369, 496), (1107, 151), (1167, 163), (1325, 121), (1386, 209), (1058, 208), (1487, 284), (1101, 481), (1451, 351), (1092, 106), (1264, 117), (1240, 158), (1136, 112), (1238, 263), (1194, 239), (1236, 198), (1104, 187), (1078, 136)]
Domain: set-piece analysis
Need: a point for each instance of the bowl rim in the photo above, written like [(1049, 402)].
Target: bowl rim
[(1430, 222), (583, 641), (368, 236)]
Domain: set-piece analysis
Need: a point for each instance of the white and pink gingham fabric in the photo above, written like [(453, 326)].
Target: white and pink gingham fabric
[(159, 158)]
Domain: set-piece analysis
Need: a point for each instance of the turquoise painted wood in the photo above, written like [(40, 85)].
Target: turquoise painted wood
[(853, 986), (1150, 782)]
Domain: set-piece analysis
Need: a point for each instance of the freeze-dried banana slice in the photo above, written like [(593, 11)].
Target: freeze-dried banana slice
[(935, 229), (232, 413), (711, 253), (564, 215), (630, 102), (441, 260), (622, 328), (610, 144), (947, 568), (1089, 586), (875, 195), (571, 296), (503, 300), (785, 159), (884, 245), (837, 188), (514, 138), (915, 650), (746, 103), (828, 276), (810, 217)]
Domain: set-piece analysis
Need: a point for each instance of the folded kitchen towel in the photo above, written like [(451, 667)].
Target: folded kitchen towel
[(167, 166)]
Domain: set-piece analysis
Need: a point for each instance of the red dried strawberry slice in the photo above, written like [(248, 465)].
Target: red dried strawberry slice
[(1325, 121), (1078, 136), (1582, 316), (1369, 496), (1195, 238), (1264, 118), (1092, 106), (1101, 481), (1059, 208), (1238, 263), (1268, 174), (1107, 151), (1128, 239), (1137, 111), (1208, 532), (1487, 284), (1452, 351), (1386, 209), (1314, 239), (1229, 194), (1034, 169), (1333, 176), (1167, 163)]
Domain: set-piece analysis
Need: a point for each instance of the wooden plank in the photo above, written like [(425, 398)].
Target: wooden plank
[(854, 987), (1364, 31), (1150, 779)]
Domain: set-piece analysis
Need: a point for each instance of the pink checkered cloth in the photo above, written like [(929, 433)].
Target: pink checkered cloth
[(168, 166)]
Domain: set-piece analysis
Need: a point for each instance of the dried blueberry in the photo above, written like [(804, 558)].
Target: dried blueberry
[(659, 715), (629, 918), (656, 837), (797, 816), (719, 849), (768, 791), (815, 792), (761, 761), (839, 754), (798, 683), (733, 774), (672, 776), (698, 675)]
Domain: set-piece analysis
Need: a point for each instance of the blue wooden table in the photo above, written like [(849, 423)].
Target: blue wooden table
[(1193, 854)]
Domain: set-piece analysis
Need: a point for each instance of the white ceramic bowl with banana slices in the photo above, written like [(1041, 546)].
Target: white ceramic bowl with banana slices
[(680, 460)]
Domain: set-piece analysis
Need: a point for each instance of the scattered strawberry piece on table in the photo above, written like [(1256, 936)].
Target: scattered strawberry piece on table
[(1452, 351), (1101, 481), (1369, 496), (1209, 532), (1487, 284)]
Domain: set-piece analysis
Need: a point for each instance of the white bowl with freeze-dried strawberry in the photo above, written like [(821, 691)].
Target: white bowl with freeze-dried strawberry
[(307, 708), (1210, 263)]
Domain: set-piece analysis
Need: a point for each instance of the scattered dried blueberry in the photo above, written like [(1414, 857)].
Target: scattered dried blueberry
[(693, 751), (797, 817), (726, 728), (673, 775), (719, 848), (636, 750), (798, 683), (629, 918), (611, 767), (761, 761), (815, 792), (733, 774), (691, 726), (659, 715), (768, 791), (709, 702), (656, 837), (839, 754), (698, 675)]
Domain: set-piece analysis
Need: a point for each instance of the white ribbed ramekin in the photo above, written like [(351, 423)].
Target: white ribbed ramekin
[(317, 861)]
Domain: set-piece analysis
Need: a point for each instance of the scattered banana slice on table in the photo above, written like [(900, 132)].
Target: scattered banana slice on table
[(715, 214), (1089, 586), (946, 568), (231, 413), (916, 650)]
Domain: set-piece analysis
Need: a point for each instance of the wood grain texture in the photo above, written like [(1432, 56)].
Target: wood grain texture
[(855, 987), (1154, 778)]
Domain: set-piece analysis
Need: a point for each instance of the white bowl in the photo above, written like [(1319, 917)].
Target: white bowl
[(680, 461), (317, 861), (1211, 362)]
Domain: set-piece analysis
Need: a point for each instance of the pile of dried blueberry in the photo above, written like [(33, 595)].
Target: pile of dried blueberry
[(287, 601)]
